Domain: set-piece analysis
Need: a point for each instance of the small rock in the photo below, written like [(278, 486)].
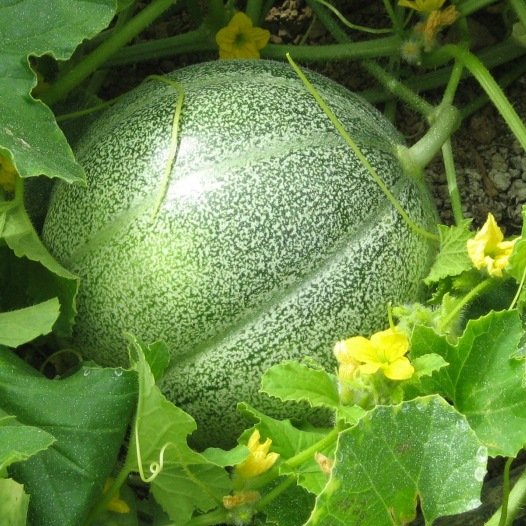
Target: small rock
[(518, 190), (501, 180)]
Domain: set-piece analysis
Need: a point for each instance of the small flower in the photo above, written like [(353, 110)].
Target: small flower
[(411, 51), (434, 22), (324, 462), (424, 6), (116, 504), (8, 174), (259, 459), (240, 39), (240, 498), (384, 351), (489, 250)]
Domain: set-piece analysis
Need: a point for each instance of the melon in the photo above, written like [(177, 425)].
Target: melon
[(271, 241)]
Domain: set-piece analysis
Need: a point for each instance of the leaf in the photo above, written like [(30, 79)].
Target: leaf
[(23, 325), (288, 441), (295, 381), (290, 508), (453, 257), (157, 355), (13, 504), (187, 481), (27, 127), (422, 448), (223, 458), (19, 442), (427, 364), (88, 414), (34, 275), (483, 380)]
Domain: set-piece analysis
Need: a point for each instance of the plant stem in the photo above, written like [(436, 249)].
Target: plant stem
[(253, 10), (445, 122), (467, 7), (389, 83), (380, 47), (193, 41), (452, 186), (504, 81), (278, 490), (519, 6), (217, 516), (505, 492), (102, 504), (516, 500), (490, 86), (398, 89), (468, 298), (501, 53), (96, 58)]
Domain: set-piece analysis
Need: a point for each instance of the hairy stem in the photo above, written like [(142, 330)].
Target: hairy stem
[(97, 57)]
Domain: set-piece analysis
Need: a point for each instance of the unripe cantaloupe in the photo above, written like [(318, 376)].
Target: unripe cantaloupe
[(272, 241)]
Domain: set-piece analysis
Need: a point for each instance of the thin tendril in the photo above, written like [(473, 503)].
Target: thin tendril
[(174, 142)]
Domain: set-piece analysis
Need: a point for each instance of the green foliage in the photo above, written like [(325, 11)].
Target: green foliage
[(483, 380), (182, 480), (23, 325), (396, 454), (85, 416), (30, 275), (30, 132), (453, 257), (298, 382)]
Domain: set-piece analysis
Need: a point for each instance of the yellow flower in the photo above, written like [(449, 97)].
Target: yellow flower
[(384, 351), (434, 22), (259, 459), (424, 6), (116, 504), (239, 39), (8, 174), (489, 250)]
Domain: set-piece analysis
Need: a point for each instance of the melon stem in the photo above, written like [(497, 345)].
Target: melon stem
[(443, 124)]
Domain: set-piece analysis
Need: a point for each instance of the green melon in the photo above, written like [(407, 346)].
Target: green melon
[(272, 241)]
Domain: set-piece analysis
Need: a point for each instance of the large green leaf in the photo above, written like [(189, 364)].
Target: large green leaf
[(23, 325), (33, 276), (186, 481), (13, 504), (483, 379), (27, 127), (422, 448), (87, 413), (453, 257), (19, 442), (298, 382)]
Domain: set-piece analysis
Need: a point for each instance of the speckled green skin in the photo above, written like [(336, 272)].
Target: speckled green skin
[(272, 242)]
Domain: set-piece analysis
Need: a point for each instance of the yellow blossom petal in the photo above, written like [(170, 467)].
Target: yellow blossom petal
[(489, 250), (361, 349), (384, 351), (391, 343), (400, 369), (116, 504), (239, 39), (259, 459), (424, 6)]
